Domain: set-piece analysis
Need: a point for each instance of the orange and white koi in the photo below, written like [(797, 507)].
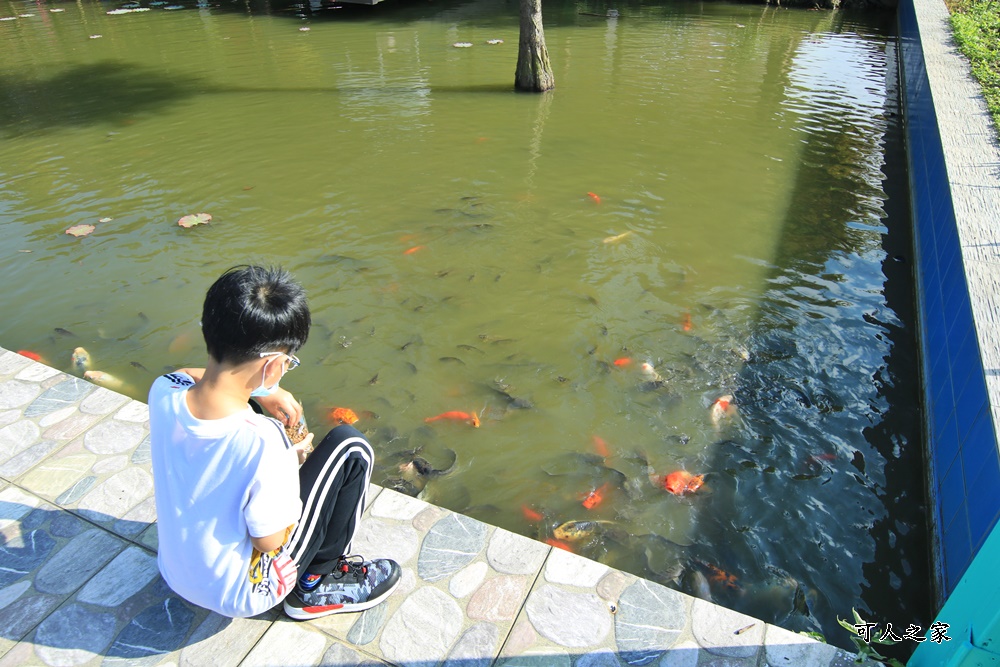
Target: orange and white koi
[(343, 416), (104, 379), (81, 359), (722, 408), (456, 415), (649, 372), (681, 482)]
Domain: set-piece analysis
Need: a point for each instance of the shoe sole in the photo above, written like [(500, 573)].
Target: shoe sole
[(301, 613)]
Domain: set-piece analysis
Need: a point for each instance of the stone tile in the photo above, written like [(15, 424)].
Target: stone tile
[(18, 464), (36, 372), (617, 615), (394, 505), (18, 437), (149, 538), (11, 363), (288, 643), (17, 394), (94, 474), (511, 553), (148, 626), (103, 401), (715, 627), (60, 471), (571, 619), (134, 411), (563, 567), (785, 649), (223, 642), (451, 600), (47, 554), (68, 391)]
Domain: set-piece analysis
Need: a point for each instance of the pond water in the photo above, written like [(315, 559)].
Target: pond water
[(709, 191)]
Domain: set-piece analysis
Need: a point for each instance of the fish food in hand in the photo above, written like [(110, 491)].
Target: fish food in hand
[(297, 432)]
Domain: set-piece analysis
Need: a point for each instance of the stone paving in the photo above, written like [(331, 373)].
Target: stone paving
[(79, 583)]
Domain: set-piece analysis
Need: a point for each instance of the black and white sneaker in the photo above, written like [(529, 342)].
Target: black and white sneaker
[(355, 585)]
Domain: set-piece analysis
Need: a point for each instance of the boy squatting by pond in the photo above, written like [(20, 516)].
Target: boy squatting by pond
[(246, 520)]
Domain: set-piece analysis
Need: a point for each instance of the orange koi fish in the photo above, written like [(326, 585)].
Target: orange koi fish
[(416, 248), (530, 514), (720, 576), (558, 544), (456, 415), (601, 447), (343, 416), (597, 200), (623, 361), (34, 356), (681, 482), (686, 322), (595, 497), (182, 342)]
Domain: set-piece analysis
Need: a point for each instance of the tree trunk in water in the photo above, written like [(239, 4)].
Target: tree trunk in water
[(534, 72)]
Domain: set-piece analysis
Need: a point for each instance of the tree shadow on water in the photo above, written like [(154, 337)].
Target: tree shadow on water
[(83, 95)]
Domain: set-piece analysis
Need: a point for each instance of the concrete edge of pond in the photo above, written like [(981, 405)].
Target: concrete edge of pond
[(954, 166), (79, 583)]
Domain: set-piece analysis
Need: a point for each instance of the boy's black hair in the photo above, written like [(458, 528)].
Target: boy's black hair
[(254, 309)]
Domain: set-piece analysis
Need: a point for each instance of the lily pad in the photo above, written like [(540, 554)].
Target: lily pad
[(80, 230), (196, 219)]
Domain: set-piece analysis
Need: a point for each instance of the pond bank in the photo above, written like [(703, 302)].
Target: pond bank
[(78, 522)]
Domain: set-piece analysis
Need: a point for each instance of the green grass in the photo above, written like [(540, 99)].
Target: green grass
[(976, 25)]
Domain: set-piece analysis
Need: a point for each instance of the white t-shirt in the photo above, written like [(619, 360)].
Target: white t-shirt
[(217, 482)]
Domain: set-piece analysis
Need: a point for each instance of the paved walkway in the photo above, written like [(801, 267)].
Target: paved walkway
[(79, 583)]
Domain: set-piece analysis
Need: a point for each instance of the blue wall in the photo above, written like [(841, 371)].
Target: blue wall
[(963, 463)]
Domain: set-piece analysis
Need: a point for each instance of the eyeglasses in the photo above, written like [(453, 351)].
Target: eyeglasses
[(293, 361)]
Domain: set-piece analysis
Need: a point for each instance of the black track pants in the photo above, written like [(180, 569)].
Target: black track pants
[(333, 484)]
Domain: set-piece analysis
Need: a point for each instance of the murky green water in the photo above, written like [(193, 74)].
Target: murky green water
[(703, 192)]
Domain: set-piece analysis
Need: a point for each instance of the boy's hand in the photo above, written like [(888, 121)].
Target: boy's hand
[(304, 448), (282, 406)]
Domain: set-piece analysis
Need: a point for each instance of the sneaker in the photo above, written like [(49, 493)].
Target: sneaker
[(355, 585)]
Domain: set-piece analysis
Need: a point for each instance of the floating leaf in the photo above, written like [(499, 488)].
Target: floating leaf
[(105, 219), (196, 219), (80, 230), (462, 45)]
